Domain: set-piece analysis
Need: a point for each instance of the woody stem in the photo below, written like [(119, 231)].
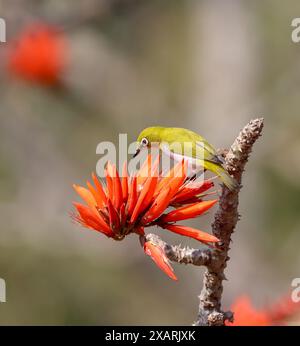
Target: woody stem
[(179, 254), (210, 312)]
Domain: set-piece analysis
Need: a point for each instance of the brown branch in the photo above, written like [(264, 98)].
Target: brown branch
[(210, 312), (184, 255)]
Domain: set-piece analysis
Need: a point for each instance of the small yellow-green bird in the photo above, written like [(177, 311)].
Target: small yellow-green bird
[(180, 143)]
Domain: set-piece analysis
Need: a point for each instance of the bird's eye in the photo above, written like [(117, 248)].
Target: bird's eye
[(144, 142)]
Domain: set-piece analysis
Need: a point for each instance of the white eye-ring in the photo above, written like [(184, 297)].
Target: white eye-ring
[(144, 142)]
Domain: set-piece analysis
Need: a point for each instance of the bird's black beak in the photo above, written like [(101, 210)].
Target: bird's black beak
[(137, 152)]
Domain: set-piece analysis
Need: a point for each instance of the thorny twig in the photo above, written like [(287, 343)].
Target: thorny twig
[(185, 255)]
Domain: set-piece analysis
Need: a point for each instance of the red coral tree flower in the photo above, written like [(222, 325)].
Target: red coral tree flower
[(245, 314), (131, 203), (38, 55)]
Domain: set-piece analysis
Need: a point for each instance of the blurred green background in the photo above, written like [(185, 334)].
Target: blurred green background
[(206, 65)]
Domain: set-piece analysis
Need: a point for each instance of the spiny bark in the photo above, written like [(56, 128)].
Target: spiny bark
[(226, 218), (180, 254)]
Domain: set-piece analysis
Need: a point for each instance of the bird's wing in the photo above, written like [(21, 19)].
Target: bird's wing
[(191, 145), (210, 153)]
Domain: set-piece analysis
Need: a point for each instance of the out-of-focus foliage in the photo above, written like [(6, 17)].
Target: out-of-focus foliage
[(206, 65)]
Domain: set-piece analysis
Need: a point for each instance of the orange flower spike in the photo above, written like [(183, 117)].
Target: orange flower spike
[(92, 220), (189, 211), (144, 198), (160, 259), (158, 206), (100, 191), (125, 182), (192, 233), (132, 197)]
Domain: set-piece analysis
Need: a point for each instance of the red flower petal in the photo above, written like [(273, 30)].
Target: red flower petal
[(109, 181), (145, 170), (113, 185), (140, 231), (185, 202), (145, 198), (192, 189), (125, 182), (162, 199), (117, 189), (174, 178), (189, 211), (160, 259), (113, 216), (92, 220), (95, 194), (192, 233), (86, 195), (122, 214), (101, 194), (132, 197), (149, 196), (158, 206), (178, 179)]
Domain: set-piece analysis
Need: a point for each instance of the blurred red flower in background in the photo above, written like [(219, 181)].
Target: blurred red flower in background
[(130, 204), (39, 54), (245, 314)]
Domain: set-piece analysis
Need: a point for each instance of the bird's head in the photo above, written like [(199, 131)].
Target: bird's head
[(148, 137)]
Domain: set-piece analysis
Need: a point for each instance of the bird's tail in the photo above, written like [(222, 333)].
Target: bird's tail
[(221, 172)]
